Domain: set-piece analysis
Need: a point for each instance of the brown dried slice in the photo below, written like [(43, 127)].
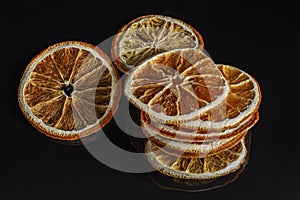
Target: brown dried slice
[(70, 90), (192, 135), (241, 103), (146, 36), (176, 86), (209, 167), (196, 149), (195, 135)]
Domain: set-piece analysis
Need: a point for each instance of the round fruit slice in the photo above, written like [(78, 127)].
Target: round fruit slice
[(69, 90), (242, 102), (176, 86), (193, 135), (146, 36), (209, 167), (194, 185)]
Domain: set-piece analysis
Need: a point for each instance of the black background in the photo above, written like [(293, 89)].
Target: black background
[(260, 39)]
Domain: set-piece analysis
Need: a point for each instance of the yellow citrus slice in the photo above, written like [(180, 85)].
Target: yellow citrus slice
[(176, 86), (146, 36), (69, 90), (223, 163)]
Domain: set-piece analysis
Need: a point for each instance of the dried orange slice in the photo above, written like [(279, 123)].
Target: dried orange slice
[(192, 135), (178, 147), (209, 167), (176, 86), (146, 36), (241, 103), (69, 90), (243, 100)]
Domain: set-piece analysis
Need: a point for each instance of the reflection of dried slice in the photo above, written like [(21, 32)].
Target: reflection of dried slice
[(98, 96), (208, 167), (90, 79), (146, 36), (69, 90), (85, 109), (176, 86)]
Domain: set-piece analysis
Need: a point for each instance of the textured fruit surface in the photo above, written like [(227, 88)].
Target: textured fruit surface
[(69, 89)]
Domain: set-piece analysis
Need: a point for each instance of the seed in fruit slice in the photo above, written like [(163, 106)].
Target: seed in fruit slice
[(209, 167), (176, 86), (69, 90), (149, 35)]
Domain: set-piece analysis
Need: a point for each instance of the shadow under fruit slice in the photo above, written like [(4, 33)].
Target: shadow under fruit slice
[(149, 35), (220, 164), (69, 90), (176, 86)]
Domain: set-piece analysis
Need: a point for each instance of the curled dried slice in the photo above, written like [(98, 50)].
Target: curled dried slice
[(209, 167), (146, 36), (69, 90), (178, 147), (182, 134), (242, 101), (176, 86), (192, 149)]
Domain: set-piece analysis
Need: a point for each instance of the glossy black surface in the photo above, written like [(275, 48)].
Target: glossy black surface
[(260, 39)]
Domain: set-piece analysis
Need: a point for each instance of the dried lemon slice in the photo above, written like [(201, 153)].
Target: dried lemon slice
[(69, 90), (209, 167), (176, 86), (146, 36)]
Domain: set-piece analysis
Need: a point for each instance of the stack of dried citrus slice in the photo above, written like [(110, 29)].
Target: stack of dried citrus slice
[(195, 113)]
